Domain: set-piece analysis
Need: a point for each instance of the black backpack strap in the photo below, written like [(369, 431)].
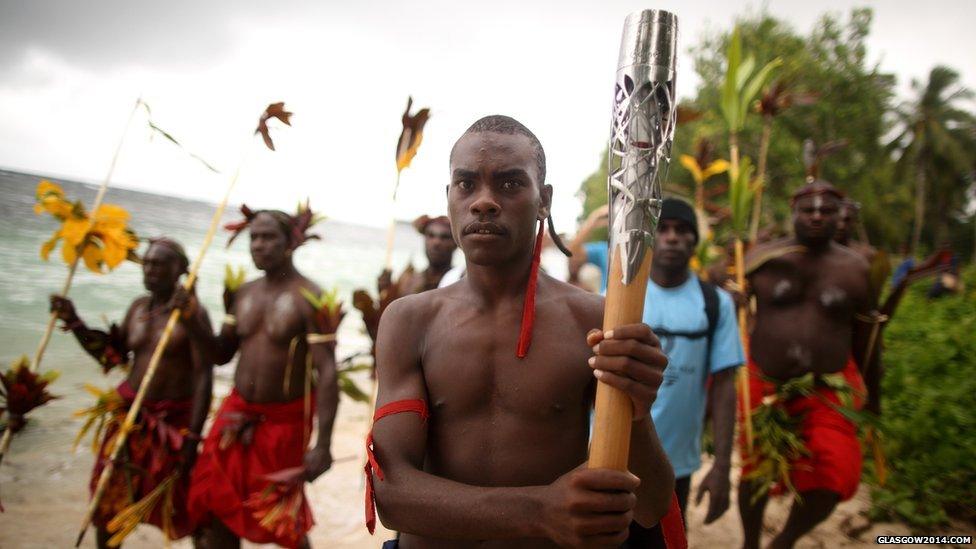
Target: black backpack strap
[(710, 294)]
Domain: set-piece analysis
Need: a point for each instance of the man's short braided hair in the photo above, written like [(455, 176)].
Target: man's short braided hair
[(507, 125)]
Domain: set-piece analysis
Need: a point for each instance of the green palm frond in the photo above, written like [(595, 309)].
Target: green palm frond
[(742, 83), (741, 190)]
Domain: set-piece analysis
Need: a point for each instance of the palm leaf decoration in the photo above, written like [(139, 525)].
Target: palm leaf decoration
[(742, 83), (125, 522), (109, 408), (233, 278), (329, 313), (741, 189), (372, 309), (22, 390), (777, 434)]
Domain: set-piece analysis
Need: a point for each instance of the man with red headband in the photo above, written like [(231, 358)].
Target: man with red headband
[(486, 386), (160, 452), (439, 248), (248, 480), (810, 291)]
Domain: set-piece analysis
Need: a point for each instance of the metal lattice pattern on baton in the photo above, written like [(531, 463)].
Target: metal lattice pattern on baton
[(642, 129)]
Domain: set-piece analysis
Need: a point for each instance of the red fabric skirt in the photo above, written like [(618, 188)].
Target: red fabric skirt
[(834, 462), (151, 455), (246, 442)]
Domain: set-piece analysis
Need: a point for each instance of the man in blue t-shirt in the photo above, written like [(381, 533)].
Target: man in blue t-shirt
[(697, 326)]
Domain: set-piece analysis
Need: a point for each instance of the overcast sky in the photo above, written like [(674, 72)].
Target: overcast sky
[(69, 72)]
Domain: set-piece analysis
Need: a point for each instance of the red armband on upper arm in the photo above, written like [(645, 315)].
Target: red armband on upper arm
[(417, 406)]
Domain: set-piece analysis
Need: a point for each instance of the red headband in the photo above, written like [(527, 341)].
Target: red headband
[(424, 221), (295, 226)]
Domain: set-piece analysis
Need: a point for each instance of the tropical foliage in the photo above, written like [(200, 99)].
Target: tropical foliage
[(827, 89), (936, 149), (928, 423)]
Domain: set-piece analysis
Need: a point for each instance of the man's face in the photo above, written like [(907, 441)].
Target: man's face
[(674, 245), (846, 218), (161, 268), (269, 243), (439, 244), (494, 199), (815, 218)]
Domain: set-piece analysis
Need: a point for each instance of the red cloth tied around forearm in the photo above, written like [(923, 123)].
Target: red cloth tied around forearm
[(834, 462), (416, 406), (150, 456), (247, 442)]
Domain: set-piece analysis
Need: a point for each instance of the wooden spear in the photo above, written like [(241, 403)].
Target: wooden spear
[(391, 230), (643, 120), (39, 354), (277, 111), (42, 346), (743, 375), (154, 361), (274, 110)]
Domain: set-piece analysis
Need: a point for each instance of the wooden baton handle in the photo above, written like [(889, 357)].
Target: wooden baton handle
[(614, 417)]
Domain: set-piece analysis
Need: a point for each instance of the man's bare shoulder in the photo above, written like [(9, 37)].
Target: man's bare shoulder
[(768, 252), (249, 286), (414, 311), (586, 306), (308, 284), (139, 303), (850, 256)]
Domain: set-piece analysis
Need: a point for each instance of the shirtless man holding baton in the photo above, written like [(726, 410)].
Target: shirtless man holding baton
[(491, 444)]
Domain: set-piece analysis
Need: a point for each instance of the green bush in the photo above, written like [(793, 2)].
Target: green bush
[(928, 419)]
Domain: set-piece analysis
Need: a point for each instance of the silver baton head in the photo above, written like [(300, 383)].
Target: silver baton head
[(644, 115)]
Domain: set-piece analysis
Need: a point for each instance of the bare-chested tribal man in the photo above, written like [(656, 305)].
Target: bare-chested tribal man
[(847, 219), (805, 329), (177, 400), (439, 248), (489, 451), (263, 426)]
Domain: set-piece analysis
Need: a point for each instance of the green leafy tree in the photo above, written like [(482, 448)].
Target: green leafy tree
[(853, 101), (935, 148)]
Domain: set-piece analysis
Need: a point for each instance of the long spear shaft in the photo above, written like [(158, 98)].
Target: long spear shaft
[(644, 113), (743, 375), (391, 231), (36, 364), (39, 354), (157, 355)]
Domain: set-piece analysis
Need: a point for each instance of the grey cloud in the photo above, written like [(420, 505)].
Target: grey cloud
[(105, 34)]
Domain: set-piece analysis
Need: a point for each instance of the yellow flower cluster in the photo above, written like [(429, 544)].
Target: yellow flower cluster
[(102, 242)]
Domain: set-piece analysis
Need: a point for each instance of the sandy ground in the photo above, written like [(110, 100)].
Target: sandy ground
[(44, 491)]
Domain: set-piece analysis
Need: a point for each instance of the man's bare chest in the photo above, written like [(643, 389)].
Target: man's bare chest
[(276, 315), (145, 328), (823, 286), (473, 370)]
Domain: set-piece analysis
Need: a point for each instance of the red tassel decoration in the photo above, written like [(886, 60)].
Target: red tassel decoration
[(528, 310)]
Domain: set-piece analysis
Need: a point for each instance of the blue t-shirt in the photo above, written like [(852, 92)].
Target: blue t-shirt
[(679, 411)]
